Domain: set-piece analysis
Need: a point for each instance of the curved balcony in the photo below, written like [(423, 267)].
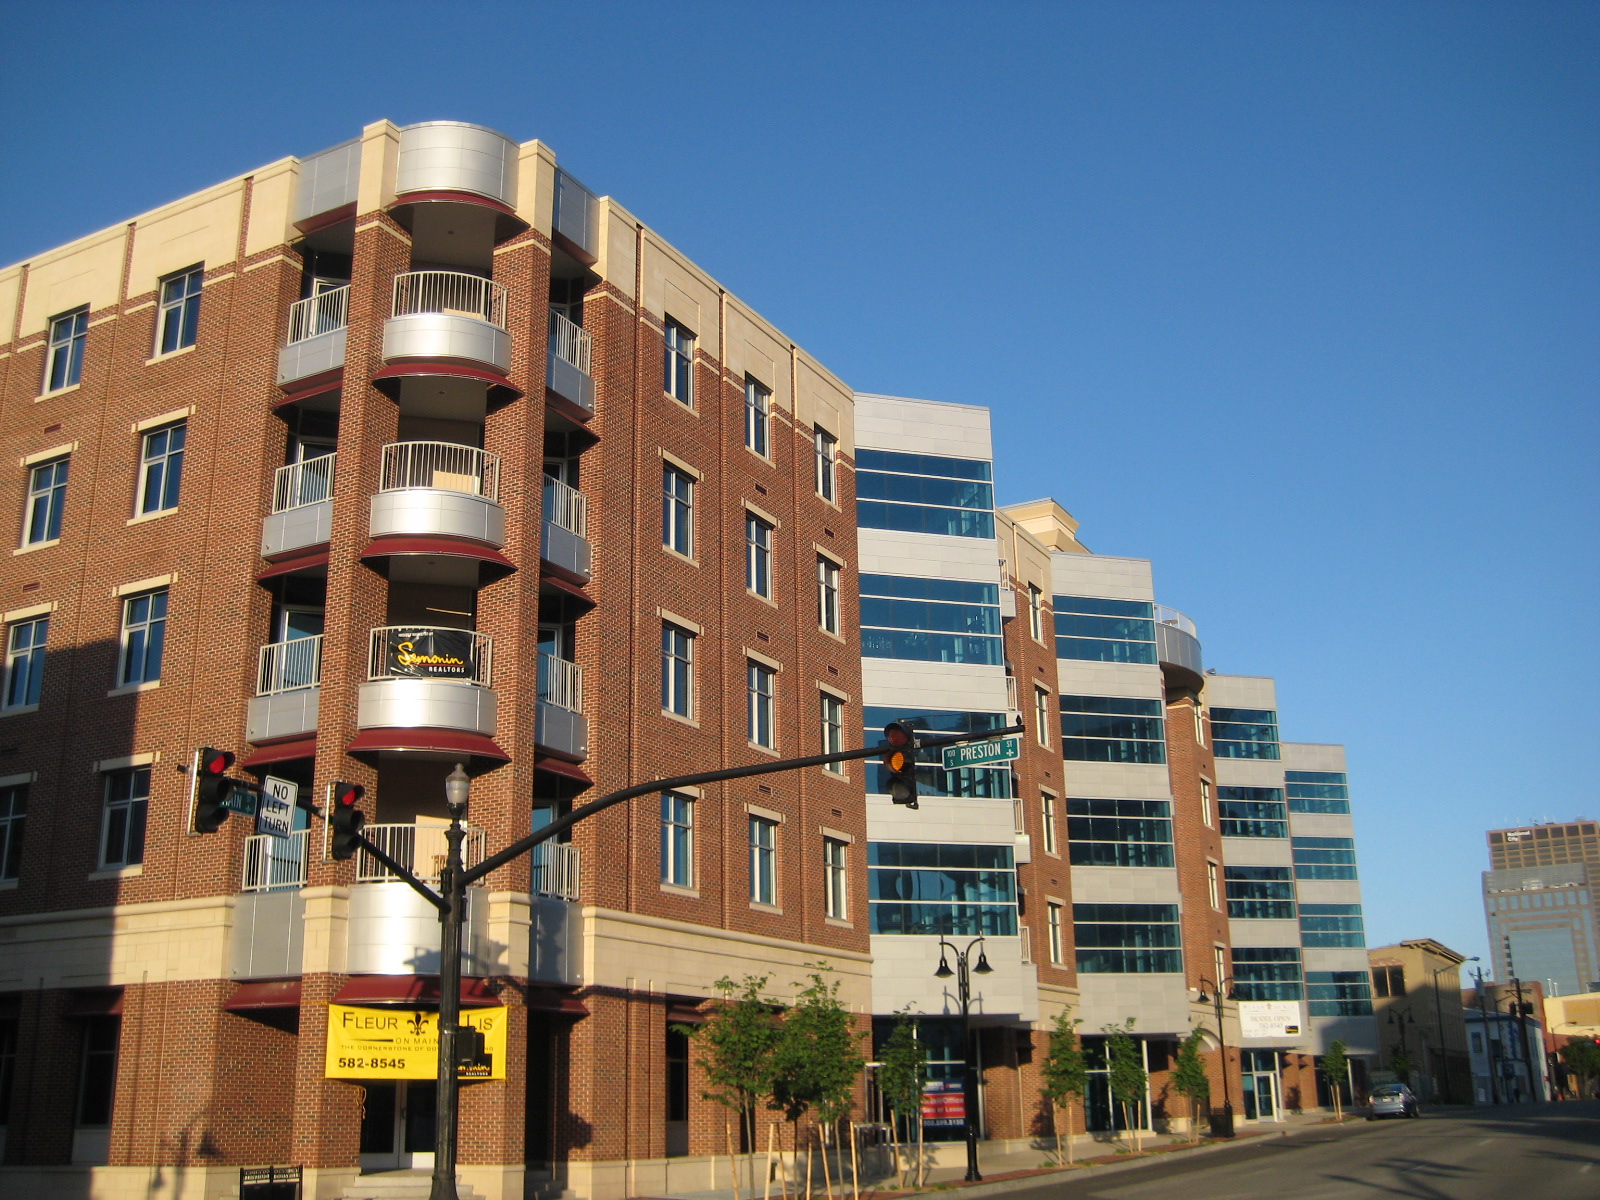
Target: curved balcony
[(429, 689), (437, 516), (1177, 643), (456, 191), (446, 318)]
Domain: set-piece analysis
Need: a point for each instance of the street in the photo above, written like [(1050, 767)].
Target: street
[(1547, 1152)]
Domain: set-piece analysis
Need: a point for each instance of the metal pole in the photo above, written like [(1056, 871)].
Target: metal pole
[(1522, 1036), (1488, 1042), (449, 1086), (969, 1078), (1438, 1014), (1222, 1046)]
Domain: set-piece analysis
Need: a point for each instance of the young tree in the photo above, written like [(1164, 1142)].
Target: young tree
[(1190, 1081), (1400, 1064), (818, 1058), (739, 1040), (1066, 1075), (1336, 1070), (902, 1076), (1583, 1060), (1126, 1074)]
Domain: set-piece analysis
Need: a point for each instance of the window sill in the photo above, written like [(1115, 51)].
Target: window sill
[(18, 710), (171, 354), (836, 776), (681, 556), (9, 885), (66, 391), (775, 909), (758, 456), (130, 689), (686, 405), (838, 922), (118, 872), (832, 633), (760, 597), (688, 893), (152, 516), (759, 748), (32, 546), (680, 719)]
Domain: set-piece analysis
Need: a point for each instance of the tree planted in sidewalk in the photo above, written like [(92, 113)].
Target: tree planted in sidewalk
[(817, 1059), (738, 1042), (902, 1078), (1066, 1075), (1189, 1079), (1583, 1060), (1336, 1071), (1126, 1075)]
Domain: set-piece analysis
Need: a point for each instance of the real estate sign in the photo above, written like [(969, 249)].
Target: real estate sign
[(1270, 1018), (393, 1043)]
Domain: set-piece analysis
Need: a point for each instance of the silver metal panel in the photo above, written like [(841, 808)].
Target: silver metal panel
[(1178, 647), (308, 525), (286, 714), (1024, 850), (564, 549), (268, 934), (577, 214), (554, 942), (426, 704), (457, 157), (1158, 1003), (564, 379), (427, 512), (394, 931), (446, 335), (328, 180), (561, 730), (313, 356)]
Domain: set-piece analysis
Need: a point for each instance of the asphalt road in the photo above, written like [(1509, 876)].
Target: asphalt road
[(1533, 1152)]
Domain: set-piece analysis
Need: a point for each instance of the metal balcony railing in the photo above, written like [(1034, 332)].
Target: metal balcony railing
[(560, 683), (451, 293), (303, 483), (566, 506), (326, 312), (421, 848), (289, 666), (274, 862), (446, 466), (431, 652), (1171, 616), (571, 343), (555, 870)]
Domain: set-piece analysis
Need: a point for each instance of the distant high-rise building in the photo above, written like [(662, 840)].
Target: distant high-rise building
[(1540, 905)]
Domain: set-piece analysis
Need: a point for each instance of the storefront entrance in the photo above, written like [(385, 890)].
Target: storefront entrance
[(397, 1126), (1260, 1073)]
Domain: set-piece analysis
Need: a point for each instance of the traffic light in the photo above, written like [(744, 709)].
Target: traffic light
[(346, 819), (212, 789), (900, 761)]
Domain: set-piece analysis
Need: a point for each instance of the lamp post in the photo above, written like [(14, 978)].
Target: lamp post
[(452, 889), (969, 1077), (1488, 1042), (1218, 989), (1438, 1012), (1400, 1021)]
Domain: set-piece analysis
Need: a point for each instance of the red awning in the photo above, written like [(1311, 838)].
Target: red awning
[(557, 1003), (312, 385), (455, 547), (411, 989), (301, 561), (269, 993), (441, 741), (571, 589), (455, 370), (565, 769), (682, 1013), (277, 752), (428, 195), (95, 1002)]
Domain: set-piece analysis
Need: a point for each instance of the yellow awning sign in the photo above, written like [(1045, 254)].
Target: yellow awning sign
[(394, 1043)]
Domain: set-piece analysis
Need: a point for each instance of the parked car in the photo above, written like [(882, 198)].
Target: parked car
[(1392, 1100)]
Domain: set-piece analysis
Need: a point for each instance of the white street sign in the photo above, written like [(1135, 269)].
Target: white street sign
[(276, 814)]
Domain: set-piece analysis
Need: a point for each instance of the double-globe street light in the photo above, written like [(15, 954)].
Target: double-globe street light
[(969, 1077), (1219, 989)]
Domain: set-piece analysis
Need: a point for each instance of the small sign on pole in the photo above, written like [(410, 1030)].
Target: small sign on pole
[(276, 813), (982, 754)]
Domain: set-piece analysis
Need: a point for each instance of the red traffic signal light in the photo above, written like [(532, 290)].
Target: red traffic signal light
[(212, 788), (900, 762), (345, 819)]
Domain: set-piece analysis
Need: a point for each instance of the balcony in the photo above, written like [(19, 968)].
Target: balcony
[(556, 871), (271, 862), (553, 944), (438, 158), (568, 373), (439, 490), (420, 847), (302, 507), (392, 930), (560, 728), (316, 336), (288, 691), (1177, 643), (564, 538), (447, 317), (428, 689), (327, 186), (576, 219)]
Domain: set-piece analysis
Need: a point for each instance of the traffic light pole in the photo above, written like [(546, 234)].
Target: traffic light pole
[(455, 878)]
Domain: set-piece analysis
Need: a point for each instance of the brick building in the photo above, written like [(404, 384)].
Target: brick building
[(415, 452)]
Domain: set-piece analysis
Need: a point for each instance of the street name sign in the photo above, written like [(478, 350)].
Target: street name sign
[(982, 754)]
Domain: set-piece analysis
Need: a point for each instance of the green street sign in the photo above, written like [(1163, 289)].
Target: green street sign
[(982, 754), (240, 800)]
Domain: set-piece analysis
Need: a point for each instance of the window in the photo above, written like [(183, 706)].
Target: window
[(1338, 994), (47, 496), (825, 447), (1389, 981), (161, 468), (1328, 925), (1324, 857), (127, 798), (1205, 801), (1266, 972), (924, 493), (827, 594), (931, 620), (144, 631), (678, 379), (1053, 928), (677, 839), (1213, 889), (1253, 812), (1244, 732), (1112, 729), (1200, 724), (760, 687), (763, 861), (983, 783), (13, 816), (178, 318), (1259, 893), (1119, 833), (97, 1072), (25, 662), (1317, 791), (63, 363), (677, 510), (1096, 630), (1127, 939), (758, 555), (1041, 715), (944, 888), (836, 879), (677, 670), (757, 417), (1035, 613), (1047, 817), (832, 729)]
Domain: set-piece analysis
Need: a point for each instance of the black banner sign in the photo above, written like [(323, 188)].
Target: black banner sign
[(430, 653)]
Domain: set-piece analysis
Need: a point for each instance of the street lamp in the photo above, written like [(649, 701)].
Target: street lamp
[(457, 791), (1438, 1012), (1219, 989), (1400, 1021), (969, 1078)]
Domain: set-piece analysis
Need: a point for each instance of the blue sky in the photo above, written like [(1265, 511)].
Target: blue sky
[(1300, 301)]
